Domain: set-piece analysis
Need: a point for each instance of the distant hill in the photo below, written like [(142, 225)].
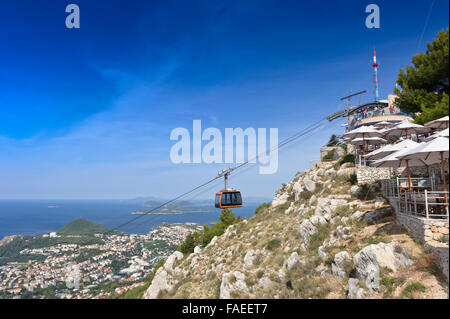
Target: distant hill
[(82, 226)]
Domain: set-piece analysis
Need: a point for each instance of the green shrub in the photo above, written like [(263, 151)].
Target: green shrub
[(352, 179), (334, 141), (329, 156), (226, 219), (410, 288), (348, 158), (444, 239), (305, 195), (274, 243), (190, 242), (259, 274), (261, 207)]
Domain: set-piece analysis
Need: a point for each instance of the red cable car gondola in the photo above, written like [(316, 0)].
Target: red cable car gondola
[(228, 198)]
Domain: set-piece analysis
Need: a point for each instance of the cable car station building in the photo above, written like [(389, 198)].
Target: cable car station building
[(374, 112)]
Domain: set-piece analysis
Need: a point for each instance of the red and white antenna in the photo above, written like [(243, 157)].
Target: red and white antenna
[(375, 74)]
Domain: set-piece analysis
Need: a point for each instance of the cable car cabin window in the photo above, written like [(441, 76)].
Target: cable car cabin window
[(217, 203), (236, 199), (226, 199)]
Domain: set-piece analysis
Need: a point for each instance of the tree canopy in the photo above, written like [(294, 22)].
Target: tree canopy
[(334, 141), (424, 86)]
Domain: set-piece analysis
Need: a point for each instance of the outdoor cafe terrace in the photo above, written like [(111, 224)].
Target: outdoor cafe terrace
[(404, 148)]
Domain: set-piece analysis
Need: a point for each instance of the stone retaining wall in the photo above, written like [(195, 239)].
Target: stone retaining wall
[(424, 230), (368, 175)]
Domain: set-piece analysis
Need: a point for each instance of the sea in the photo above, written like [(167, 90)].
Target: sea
[(34, 217)]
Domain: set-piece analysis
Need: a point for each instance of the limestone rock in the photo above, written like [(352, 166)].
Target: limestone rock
[(356, 190), (227, 286), (328, 205), (321, 269), (162, 281), (264, 282), (280, 200), (307, 229), (250, 257), (318, 220), (292, 261), (322, 254), (371, 258), (172, 259), (344, 232), (213, 241), (342, 259), (354, 290), (338, 272), (373, 216), (357, 215), (297, 188), (335, 220), (309, 184)]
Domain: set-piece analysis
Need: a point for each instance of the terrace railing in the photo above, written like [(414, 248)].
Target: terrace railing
[(427, 204), (421, 200)]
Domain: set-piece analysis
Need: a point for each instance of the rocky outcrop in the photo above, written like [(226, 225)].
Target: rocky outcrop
[(327, 206), (356, 190), (309, 184), (307, 229), (354, 291), (343, 232), (374, 216), (232, 281), (280, 200), (163, 279), (342, 261), (250, 257), (171, 260), (371, 258)]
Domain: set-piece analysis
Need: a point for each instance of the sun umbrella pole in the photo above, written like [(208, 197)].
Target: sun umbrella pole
[(364, 150), (443, 176), (409, 175)]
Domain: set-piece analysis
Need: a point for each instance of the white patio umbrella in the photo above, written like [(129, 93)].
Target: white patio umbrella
[(363, 132), (383, 124), (391, 148), (404, 128), (368, 140), (443, 133), (432, 152), (393, 160), (439, 123)]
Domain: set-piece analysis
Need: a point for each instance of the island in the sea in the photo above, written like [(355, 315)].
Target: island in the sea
[(181, 207)]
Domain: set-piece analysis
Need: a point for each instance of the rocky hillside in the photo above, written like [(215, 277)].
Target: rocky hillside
[(321, 237)]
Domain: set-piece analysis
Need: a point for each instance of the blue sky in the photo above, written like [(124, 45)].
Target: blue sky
[(87, 113)]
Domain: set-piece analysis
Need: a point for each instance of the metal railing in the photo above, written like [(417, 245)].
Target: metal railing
[(395, 186), (421, 199), (427, 204)]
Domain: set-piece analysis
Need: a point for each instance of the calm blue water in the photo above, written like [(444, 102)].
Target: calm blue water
[(32, 217)]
